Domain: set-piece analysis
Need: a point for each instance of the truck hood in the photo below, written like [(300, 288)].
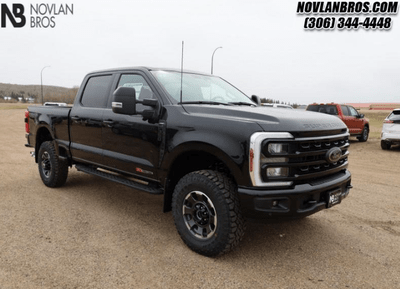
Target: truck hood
[(270, 119)]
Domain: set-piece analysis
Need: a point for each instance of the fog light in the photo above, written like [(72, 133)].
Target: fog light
[(277, 148), (277, 172)]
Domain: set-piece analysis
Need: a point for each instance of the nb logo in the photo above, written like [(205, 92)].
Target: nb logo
[(15, 16)]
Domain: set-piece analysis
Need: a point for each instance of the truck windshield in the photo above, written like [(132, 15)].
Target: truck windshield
[(202, 89)]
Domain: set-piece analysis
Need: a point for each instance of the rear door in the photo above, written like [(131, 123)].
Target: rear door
[(86, 120), (130, 144)]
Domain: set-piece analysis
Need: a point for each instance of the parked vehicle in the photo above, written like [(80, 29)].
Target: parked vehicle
[(55, 104), (391, 130), (213, 153), (302, 107), (358, 125), (278, 105)]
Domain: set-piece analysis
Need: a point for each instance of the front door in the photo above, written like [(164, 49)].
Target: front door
[(357, 124), (131, 145), (352, 119)]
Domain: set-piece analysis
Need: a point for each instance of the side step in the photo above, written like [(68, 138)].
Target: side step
[(150, 188)]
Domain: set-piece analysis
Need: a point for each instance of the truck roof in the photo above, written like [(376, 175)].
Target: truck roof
[(330, 103), (146, 68)]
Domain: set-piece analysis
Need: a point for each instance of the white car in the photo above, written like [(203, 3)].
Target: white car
[(277, 105), (391, 130), (55, 104)]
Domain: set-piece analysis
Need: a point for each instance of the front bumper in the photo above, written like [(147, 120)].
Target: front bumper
[(297, 202)]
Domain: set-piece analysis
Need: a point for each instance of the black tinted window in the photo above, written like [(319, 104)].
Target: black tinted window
[(328, 109), (96, 91), (395, 115)]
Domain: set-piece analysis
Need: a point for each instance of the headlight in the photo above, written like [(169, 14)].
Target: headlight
[(277, 172), (277, 148), (268, 159)]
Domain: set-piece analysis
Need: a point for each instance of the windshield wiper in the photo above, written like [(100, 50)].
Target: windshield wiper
[(242, 103), (203, 102)]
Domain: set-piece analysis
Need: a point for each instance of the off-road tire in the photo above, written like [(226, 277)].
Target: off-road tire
[(52, 170), (364, 135), (215, 195), (385, 145)]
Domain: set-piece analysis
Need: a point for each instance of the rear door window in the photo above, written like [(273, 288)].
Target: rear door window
[(96, 91), (345, 110)]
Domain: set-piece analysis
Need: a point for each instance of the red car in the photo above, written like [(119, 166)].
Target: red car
[(356, 122)]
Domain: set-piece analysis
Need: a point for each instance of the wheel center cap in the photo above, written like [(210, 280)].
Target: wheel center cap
[(201, 214)]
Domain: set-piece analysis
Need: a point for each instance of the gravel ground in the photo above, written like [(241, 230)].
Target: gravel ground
[(93, 233)]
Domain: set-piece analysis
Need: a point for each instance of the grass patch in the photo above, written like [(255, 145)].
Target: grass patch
[(4, 106)]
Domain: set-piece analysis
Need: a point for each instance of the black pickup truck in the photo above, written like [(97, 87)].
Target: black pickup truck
[(214, 153)]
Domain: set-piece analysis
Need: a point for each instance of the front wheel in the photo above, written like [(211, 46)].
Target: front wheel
[(52, 170), (364, 135), (207, 213), (385, 145)]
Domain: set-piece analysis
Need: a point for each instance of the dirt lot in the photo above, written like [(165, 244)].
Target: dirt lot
[(96, 234)]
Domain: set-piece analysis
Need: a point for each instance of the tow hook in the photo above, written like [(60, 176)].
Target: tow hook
[(347, 191)]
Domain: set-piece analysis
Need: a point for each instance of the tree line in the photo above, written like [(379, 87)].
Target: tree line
[(270, 100), (33, 93)]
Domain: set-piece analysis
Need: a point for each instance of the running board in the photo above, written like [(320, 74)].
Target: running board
[(150, 188)]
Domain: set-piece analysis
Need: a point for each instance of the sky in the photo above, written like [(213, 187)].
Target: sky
[(265, 49)]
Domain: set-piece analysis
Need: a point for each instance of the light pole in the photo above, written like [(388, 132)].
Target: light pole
[(41, 81), (212, 59)]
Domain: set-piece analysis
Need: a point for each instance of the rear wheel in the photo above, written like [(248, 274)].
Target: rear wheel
[(385, 145), (364, 135), (207, 213), (52, 170)]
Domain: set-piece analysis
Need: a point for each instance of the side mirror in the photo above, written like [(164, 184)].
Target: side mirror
[(124, 101), (361, 116), (256, 99)]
